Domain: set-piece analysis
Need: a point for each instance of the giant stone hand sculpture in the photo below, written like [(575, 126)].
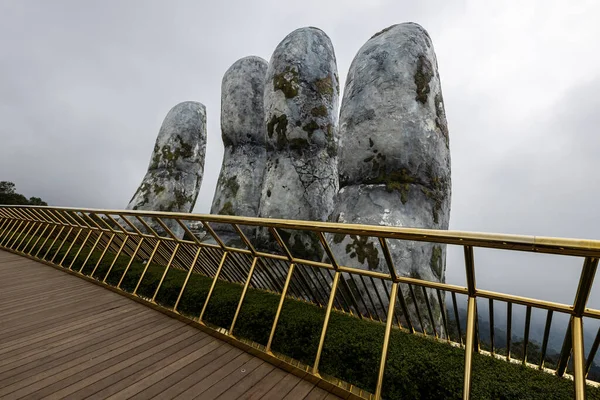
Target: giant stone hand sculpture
[(394, 158), (301, 107), (176, 168), (243, 130)]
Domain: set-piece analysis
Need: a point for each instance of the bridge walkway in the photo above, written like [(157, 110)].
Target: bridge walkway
[(62, 337)]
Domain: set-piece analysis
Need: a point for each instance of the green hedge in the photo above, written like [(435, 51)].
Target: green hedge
[(417, 367)]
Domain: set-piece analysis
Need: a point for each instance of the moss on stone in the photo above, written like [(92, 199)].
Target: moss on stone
[(422, 78), (325, 87), (440, 120), (436, 262), (320, 111), (338, 238), (227, 209), (287, 82), (365, 250), (310, 128), (232, 185), (158, 188), (298, 144), (278, 124), (185, 149)]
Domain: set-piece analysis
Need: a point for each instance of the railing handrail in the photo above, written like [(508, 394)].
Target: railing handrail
[(527, 243)]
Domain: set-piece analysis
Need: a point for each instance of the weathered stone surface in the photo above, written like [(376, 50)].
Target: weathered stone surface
[(243, 131), (394, 157), (301, 107), (176, 167)]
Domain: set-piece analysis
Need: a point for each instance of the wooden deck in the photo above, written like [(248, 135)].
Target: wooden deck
[(63, 337)]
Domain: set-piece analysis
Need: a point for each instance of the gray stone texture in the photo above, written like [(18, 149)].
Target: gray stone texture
[(301, 112), (243, 131), (394, 158), (176, 167)]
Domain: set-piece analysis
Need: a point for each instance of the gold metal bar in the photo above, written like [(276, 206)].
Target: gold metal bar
[(386, 339), (565, 351), (415, 304), (469, 347), (239, 307), (147, 265), (36, 225), (21, 222), (38, 239), (61, 244), (279, 240), (471, 319), (187, 278), (22, 232), (336, 278), (435, 333), (91, 251), (491, 305), (546, 336), (110, 240), (510, 242), (152, 231), (165, 273), (80, 248), (526, 334), (112, 264), (53, 241), (592, 355), (508, 329), (44, 243), (586, 281), (280, 306), (409, 323), (245, 240), (8, 230), (137, 248), (212, 286), (215, 236), (578, 357), (70, 246)]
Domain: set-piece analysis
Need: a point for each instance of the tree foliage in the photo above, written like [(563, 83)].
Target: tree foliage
[(9, 196)]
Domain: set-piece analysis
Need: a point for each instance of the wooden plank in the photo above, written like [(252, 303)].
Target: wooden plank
[(316, 394), (282, 388), (56, 343), (179, 344), (247, 382), (230, 380), (124, 378), (223, 369), (101, 337), (264, 385), (300, 391), (203, 367)]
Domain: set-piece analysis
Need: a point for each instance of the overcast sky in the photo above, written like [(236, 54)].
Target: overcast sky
[(85, 85)]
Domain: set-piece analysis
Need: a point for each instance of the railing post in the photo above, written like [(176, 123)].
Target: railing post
[(187, 278), (583, 291), (154, 250), (212, 286), (244, 290), (471, 316), (334, 286), (386, 339)]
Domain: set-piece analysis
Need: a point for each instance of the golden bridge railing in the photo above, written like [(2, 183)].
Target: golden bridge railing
[(34, 231)]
